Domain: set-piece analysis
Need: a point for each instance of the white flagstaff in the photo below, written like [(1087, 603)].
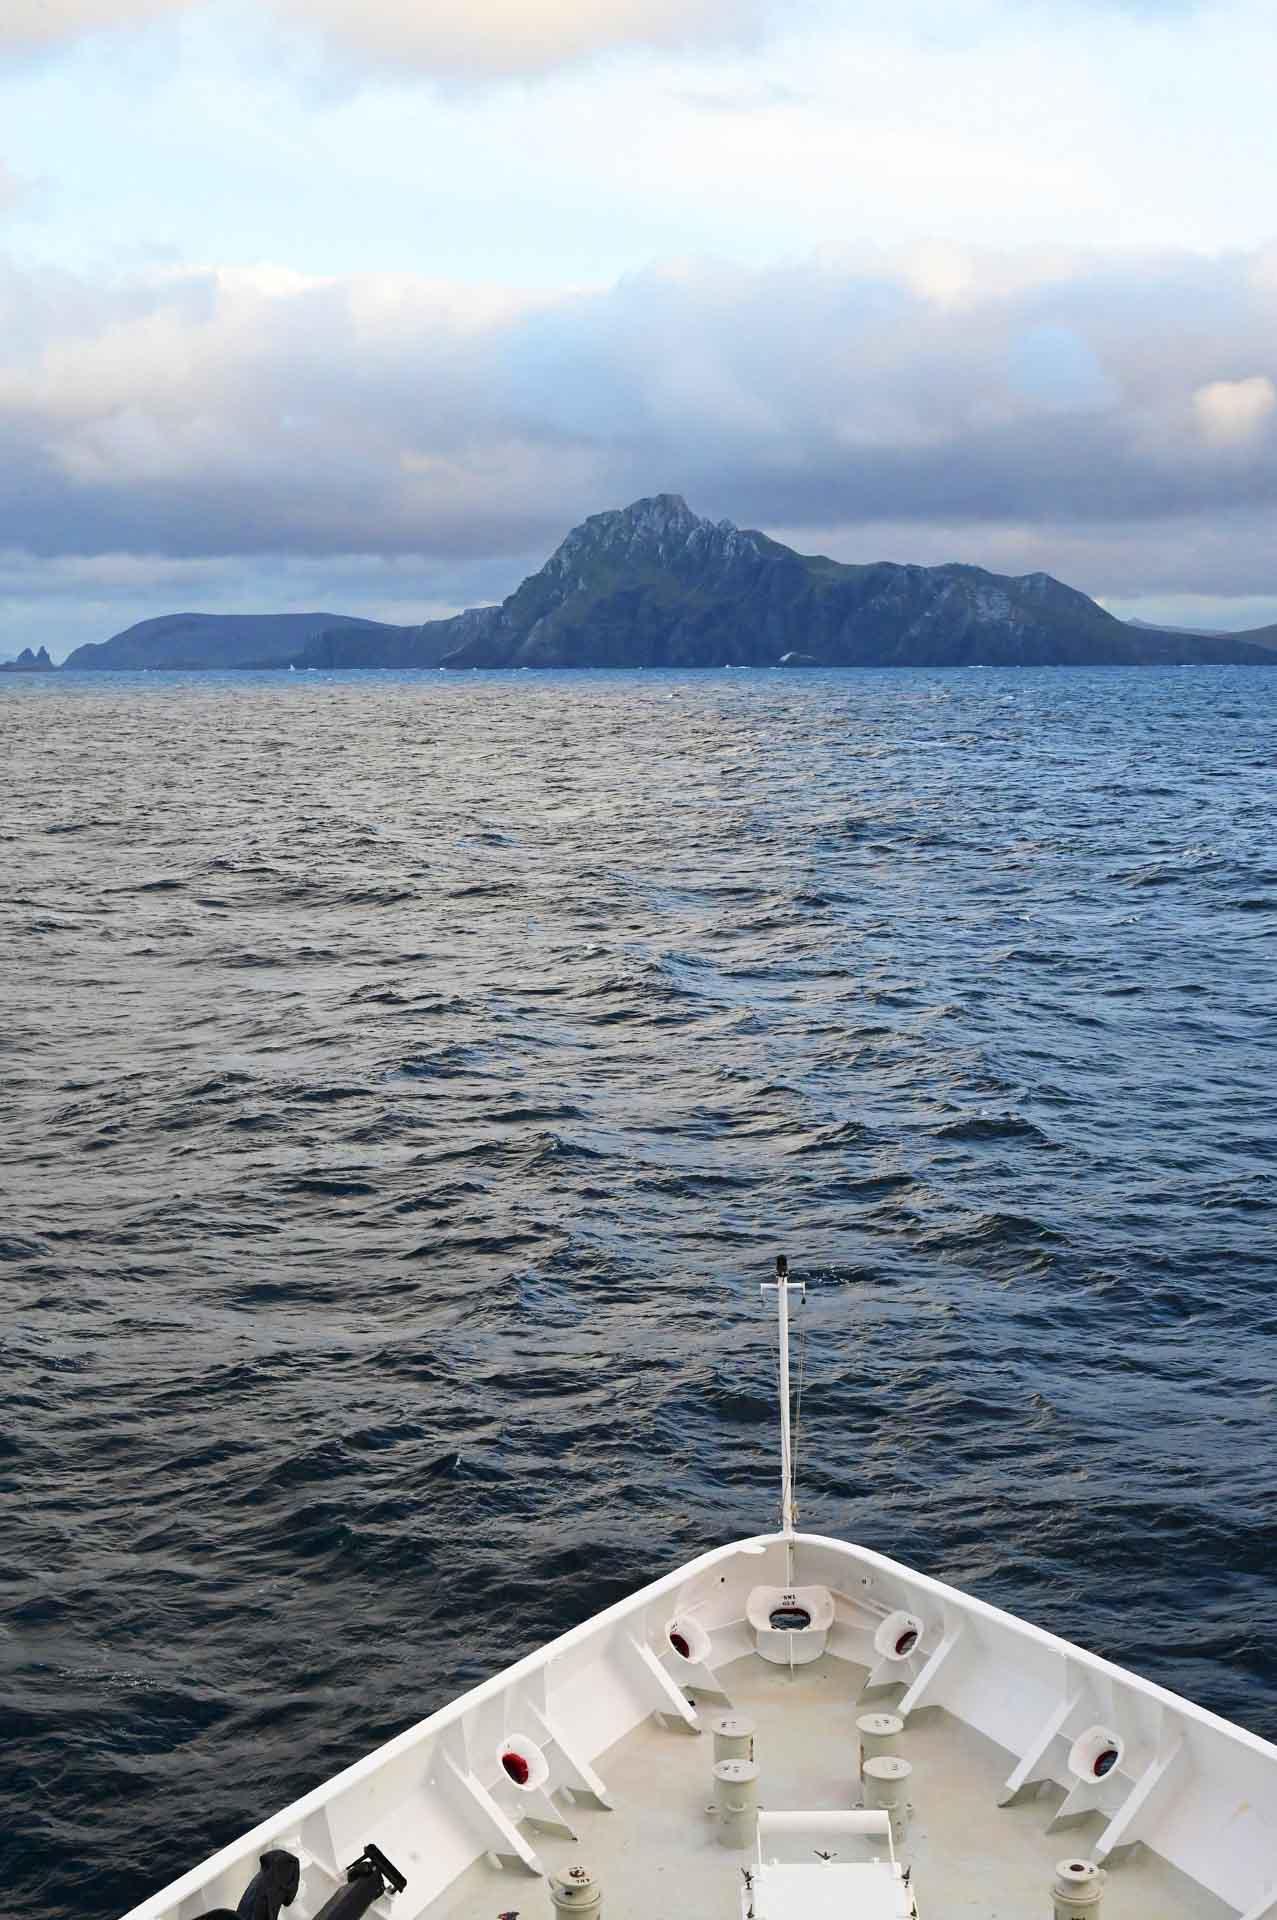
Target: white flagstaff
[(782, 1286)]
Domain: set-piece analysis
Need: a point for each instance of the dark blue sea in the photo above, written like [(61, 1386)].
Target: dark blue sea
[(407, 1081)]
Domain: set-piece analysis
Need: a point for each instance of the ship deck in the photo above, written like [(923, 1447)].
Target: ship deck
[(657, 1856)]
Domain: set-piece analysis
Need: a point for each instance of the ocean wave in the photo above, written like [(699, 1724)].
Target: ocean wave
[(392, 1167)]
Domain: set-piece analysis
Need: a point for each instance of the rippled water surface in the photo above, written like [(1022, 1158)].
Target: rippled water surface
[(406, 1082)]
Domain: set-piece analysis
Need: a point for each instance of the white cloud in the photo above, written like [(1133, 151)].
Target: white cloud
[(459, 38), (1032, 123), (38, 23), (1039, 422), (1232, 413), (20, 194), (485, 38)]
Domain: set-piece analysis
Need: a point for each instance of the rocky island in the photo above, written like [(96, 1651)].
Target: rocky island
[(28, 662), (655, 585)]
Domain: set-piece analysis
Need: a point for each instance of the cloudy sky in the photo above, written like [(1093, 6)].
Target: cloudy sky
[(360, 304)]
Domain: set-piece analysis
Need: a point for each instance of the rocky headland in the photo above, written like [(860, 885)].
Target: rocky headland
[(655, 585)]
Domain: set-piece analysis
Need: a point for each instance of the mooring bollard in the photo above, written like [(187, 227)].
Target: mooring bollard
[(1078, 1890), (576, 1891), (733, 1736), (886, 1779), (736, 1801), (879, 1733)]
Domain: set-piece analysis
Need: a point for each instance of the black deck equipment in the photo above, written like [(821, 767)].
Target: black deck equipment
[(366, 1880)]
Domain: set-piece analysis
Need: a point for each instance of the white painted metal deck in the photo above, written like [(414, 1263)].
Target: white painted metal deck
[(657, 1857), (1185, 1817)]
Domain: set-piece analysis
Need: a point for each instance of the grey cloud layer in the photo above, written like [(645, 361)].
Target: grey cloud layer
[(1088, 401)]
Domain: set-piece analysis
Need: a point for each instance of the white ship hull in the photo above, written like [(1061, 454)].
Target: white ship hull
[(1179, 1806)]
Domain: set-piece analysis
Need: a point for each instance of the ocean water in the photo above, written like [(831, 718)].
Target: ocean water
[(407, 1081)]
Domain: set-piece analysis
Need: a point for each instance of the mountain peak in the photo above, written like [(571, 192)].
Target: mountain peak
[(649, 530), (662, 516), (666, 509)]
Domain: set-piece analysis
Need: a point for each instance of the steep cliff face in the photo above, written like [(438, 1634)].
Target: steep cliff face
[(654, 585), (625, 589)]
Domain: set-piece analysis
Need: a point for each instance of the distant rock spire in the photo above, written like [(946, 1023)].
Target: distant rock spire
[(29, 662)]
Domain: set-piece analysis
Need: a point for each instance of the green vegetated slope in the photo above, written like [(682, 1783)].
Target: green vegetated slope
[(655, 585)]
